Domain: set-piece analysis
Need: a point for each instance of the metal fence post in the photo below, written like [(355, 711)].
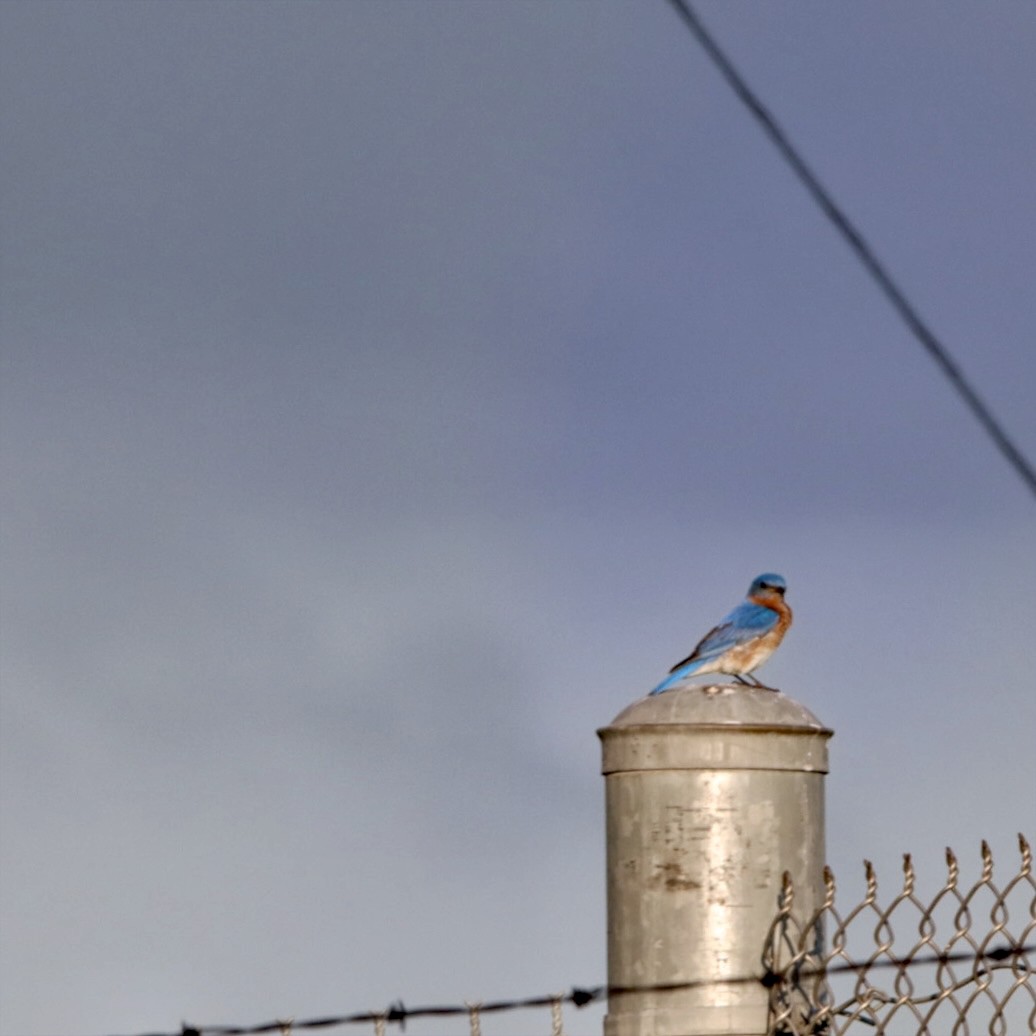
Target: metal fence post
[(712, 793)]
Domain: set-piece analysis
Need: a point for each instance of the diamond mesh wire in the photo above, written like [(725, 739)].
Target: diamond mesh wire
[(961, 963)]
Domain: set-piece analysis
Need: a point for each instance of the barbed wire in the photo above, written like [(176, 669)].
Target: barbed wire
[(856, 241), (1004, 957)]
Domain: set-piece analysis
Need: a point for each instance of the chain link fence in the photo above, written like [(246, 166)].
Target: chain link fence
[(955, 964)]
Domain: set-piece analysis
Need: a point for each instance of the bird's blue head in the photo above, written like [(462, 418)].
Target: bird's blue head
[(768, 581)]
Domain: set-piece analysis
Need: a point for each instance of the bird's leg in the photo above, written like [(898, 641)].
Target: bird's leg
[(740, 679), (752, 681)]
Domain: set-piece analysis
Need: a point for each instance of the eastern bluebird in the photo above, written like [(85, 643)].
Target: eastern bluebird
[(743, 640)]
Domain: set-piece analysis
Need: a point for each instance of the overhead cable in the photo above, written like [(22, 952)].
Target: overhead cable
[(859, 245)]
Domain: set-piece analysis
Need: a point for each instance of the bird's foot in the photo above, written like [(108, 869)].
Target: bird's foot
[(753, 682)]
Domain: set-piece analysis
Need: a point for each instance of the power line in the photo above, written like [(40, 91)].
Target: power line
[(859, 245)]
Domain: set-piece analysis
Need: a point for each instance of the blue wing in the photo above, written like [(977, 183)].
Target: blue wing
[(746, 622)]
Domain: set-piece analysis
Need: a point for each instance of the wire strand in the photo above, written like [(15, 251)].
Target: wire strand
[(1005, 956), (859, 245)]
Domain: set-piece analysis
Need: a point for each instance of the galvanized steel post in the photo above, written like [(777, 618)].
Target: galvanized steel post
[(712, 793)]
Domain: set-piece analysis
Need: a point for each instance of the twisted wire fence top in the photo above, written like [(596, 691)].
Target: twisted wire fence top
[(956, 963)]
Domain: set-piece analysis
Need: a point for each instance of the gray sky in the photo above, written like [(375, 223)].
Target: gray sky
[(393, 392)]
